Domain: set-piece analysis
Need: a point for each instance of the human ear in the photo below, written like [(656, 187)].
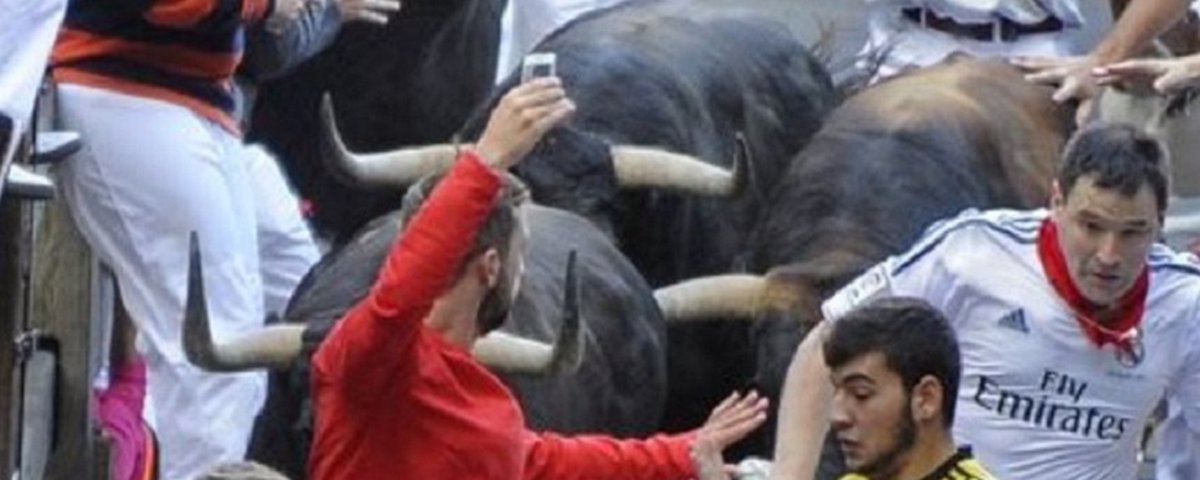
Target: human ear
[(1057, 200), (489, 266), (927, 398)]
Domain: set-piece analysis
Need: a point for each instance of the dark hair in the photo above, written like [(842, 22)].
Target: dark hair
[(496, 231), (1119, 156), (913, 336)]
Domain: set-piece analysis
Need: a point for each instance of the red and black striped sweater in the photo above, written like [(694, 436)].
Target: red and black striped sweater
[(180, 51)]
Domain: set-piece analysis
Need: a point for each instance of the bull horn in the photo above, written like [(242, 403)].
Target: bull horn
[(511, 354), (642, 167), (401, 167), (274, 347), (712, 298)]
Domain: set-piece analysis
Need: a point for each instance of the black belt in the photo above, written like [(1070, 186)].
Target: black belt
[(1002, 29)]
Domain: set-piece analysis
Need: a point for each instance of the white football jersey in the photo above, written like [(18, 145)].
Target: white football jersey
[(1038, 400)]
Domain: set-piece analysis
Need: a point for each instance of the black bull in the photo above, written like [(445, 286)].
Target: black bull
[(619, 385), (885, 165), (689, 79), (411, 82)]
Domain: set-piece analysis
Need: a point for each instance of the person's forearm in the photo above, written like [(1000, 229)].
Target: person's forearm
[(803, 411), (1141, 22), (271, 54), (586, 457)]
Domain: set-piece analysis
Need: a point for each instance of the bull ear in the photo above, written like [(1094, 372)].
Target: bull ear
[(643, 167), (511, 354), (397, 168), (271, 347), (568, 350), (744, 180)]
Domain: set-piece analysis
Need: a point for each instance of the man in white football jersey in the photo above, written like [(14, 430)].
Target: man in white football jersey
[(1073, 323)]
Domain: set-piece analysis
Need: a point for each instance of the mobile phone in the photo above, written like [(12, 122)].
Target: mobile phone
[(538, 65)]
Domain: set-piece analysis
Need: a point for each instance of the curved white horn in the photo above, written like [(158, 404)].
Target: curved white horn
[(401, 167), (274, 347), (711, 298), (641, 167)]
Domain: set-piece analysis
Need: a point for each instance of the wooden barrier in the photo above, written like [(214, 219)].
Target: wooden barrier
[(72, 303)]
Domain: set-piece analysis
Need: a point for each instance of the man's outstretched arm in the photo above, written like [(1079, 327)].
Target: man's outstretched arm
[(803, 411), (1140, 23)]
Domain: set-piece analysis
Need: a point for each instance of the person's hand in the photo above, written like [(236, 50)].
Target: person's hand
[(730, 421), (367, 11), (1165, 75), (1072, 76), (521, 118), (285, 13)]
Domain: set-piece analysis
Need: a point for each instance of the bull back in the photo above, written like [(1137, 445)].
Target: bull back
[(887, 163)]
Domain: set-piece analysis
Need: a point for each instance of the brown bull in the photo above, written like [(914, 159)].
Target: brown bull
[(886, 164)]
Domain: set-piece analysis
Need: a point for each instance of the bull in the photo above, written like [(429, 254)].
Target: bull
[(664, 90), (886, 164), (411, 82), (608, 372)]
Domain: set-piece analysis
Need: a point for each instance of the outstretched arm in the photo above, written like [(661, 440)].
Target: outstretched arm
[(803, 420), (690, 455), (1142, 21)]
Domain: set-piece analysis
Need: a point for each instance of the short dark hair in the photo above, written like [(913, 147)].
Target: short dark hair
[(913, 336), (1119, 156), (496, 231)]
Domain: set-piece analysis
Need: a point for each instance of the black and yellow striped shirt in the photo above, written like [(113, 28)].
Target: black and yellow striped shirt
[(961, 466)]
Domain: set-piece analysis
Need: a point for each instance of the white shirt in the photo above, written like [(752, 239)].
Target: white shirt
[(903, 44), (27, 33), (1026, 12), (1037, 400)]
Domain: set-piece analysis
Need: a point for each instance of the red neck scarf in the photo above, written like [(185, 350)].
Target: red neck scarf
[(1127, 314)]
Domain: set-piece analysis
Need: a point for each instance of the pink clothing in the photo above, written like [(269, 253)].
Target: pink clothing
[(120, 410)]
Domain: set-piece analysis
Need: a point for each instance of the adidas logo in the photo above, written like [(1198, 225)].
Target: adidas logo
[(1015, 320)]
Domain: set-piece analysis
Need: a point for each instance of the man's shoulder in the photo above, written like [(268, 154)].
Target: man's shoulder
[(962, 466), (1179, 266), (969, 469), (1016, 225), (973, 230)]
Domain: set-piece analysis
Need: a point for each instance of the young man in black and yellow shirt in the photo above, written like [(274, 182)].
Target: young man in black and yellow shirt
[(895, 369)]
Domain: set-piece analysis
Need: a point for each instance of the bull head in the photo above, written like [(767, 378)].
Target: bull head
[(278, 346), (634, 167)]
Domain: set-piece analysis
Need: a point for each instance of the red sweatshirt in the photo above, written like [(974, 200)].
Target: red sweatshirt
[(394, 399)]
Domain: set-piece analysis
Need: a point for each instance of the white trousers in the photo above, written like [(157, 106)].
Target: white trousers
[(27, 32), (525, 22), (901, 44), (151, 172)]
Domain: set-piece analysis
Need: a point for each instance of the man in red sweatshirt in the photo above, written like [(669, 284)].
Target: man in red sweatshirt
[(398, 394)]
